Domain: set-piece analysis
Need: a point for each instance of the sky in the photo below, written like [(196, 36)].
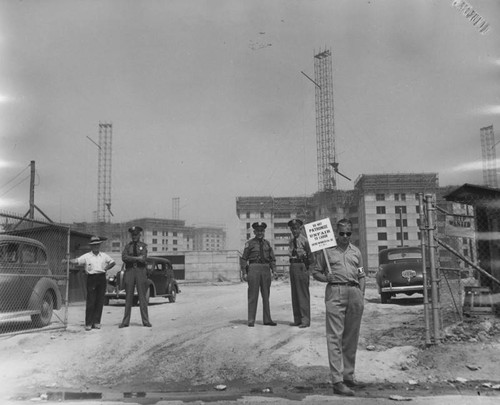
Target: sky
[(207, 99)]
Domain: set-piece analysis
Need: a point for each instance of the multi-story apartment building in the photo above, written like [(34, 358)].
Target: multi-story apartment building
[(209, 238), (389, 211), (275, 212), (161, 235)]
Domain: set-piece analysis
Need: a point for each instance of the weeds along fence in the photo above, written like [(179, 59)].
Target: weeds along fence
[(34, 281), (463, 234)]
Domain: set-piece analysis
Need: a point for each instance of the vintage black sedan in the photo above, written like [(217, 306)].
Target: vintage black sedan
[(161, 282), (399, 272)]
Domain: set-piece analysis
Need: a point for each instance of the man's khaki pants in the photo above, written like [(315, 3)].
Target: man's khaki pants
[(344, 309)]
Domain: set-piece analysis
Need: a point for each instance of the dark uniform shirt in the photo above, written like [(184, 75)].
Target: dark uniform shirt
[(299, 250), (129, 257), (346, 265), (252, 253)]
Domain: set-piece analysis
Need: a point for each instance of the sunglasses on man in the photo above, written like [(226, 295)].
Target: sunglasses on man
[(345, 234)]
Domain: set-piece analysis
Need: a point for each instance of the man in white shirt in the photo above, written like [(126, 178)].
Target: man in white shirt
[(96, 264)]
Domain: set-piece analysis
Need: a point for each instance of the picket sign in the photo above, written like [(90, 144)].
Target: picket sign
[(320, 237)]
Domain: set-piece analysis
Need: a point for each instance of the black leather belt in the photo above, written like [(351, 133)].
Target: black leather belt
[(258, 262), (297, 260), (348, 283)]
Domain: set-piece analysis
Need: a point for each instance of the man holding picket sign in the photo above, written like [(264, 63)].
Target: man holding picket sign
[(341, 267)]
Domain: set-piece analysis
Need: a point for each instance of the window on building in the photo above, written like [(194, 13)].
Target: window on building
[(417, 209), (115, 244), (262, 215), (248, 215), (381, 223), (400, 209), (282, 215), (154, 249), (403, 197), (380, 197), (419, 235), (382, 248), (382, 236), (381, 210), (175, 249), (248, 225), (174, 233), (155, 233), (398, 222), (466, 252), (154, 241), (174, 242), (418, 222), (405, 235), (396, 197), (248, 236)]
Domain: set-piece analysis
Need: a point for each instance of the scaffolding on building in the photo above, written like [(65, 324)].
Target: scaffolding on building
[(325, 125), (104, 213), (488, 147)]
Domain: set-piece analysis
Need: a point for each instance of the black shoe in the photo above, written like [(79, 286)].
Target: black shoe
[(354, 384), (251, 324), (340, 389), (147, 324), (302, 326), (122, 325), (294, 323), (270, 323)]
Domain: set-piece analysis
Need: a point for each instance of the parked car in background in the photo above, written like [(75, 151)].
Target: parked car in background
[(399, 272), (161, 282), (27, 286)]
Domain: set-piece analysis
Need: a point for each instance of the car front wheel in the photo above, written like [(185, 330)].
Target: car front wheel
[(173, 295), (46, 309), (385, 298)]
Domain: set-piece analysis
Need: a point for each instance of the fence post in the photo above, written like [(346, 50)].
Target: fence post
[(434, 279), (423, 227)]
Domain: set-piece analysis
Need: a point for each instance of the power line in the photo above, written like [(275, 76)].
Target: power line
[(15, 185), (16, 176)]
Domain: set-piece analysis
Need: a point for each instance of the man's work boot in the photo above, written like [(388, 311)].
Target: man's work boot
[(340, 389)]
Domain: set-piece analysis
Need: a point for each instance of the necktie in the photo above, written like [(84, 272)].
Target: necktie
[(261, 242), (294, 252), (135, 249)]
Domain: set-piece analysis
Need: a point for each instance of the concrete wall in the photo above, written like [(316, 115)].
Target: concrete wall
[(221, 265)]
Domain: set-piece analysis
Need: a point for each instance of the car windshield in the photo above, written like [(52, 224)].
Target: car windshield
[(411, 255)]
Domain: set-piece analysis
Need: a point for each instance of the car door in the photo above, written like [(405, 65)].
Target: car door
[(12, 286), (158, 277), (35, 267)]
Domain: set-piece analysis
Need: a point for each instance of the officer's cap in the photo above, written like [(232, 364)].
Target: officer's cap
[(259, 225), (295, 222), (135, 229), (95, 240)]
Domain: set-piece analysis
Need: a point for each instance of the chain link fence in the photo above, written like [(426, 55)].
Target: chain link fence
[(34, 282)]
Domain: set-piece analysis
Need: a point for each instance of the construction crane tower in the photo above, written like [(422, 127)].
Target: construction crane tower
[(325, 124), (104, 173), (489, 156)]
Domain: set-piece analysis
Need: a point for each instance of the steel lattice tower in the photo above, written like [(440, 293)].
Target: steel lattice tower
[(489, 157), (104, 173), (325, 127)]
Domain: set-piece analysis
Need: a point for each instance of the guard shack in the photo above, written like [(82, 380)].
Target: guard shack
[(486, 204)]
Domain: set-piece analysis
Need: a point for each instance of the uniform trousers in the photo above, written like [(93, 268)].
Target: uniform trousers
[(344, 309), (96, 288), (136, 277), (301, 300), (259, 277)]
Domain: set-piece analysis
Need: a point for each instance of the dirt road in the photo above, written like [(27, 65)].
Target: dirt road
[(202, 341)]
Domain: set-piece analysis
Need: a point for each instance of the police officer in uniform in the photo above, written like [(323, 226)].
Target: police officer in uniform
[(300, 260), (134, 256), (257, 265), (344, 301)]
